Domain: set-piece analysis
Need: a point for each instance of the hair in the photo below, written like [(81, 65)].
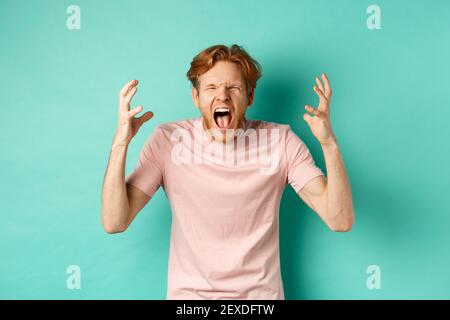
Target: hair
[(206, 59)]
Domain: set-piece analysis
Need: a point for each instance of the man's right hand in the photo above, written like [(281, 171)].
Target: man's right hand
[(128, 125)]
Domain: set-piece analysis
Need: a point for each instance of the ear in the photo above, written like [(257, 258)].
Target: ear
[(251, 96), (195, 97)]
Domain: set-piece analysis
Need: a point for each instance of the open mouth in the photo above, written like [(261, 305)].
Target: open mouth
[(222, 117)]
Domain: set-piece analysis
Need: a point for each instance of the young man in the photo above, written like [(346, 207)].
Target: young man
[(224, 176)]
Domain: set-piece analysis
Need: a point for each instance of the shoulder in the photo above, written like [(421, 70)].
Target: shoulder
[(283, 130), (291, 142), (167, 129)]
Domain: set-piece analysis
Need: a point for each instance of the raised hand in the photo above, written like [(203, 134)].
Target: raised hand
[(128, 124), (319, 122)]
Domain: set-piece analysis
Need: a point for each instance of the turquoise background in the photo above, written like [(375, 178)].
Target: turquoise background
[(390, 112)]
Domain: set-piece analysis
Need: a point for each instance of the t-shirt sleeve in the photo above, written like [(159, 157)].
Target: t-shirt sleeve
[(148, 173), (301, 167)]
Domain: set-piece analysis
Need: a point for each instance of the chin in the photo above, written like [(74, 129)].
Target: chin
[(221, 134)]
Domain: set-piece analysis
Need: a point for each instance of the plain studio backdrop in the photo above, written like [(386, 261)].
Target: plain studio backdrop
[(390, 112)]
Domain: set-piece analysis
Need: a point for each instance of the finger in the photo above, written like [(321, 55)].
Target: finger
[(127, 99), (320, 94), (307, 118), (327, 91), (135, 111), (145, 117), (126, 88), (312, 110), (319, 84)]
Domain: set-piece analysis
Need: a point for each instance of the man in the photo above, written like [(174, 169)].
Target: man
[(224, 235)]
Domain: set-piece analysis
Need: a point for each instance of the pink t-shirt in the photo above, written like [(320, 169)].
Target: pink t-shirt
[(225, 200)]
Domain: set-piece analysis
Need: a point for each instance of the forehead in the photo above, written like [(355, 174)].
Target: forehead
[(223, 71)]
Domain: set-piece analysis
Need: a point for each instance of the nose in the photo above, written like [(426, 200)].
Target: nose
[(223, 93)]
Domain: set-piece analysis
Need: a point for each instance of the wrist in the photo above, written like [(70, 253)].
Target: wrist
[(119, 144), (330, 144)]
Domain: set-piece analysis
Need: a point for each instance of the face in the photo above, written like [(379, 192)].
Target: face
[(222, 98)]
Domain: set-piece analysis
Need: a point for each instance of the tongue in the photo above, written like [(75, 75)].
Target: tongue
[(223, 121)]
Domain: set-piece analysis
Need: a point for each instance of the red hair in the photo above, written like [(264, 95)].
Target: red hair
[(206, 59)]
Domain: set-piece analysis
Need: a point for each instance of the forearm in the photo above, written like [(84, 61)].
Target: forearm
[(340, 212), (115, 206)]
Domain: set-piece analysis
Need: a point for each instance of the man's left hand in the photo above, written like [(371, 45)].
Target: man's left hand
[(319, 120)]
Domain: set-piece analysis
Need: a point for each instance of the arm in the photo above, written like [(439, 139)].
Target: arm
[(121, 202), (330, 198)]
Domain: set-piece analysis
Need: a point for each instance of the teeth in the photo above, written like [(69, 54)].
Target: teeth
[(222, 110)]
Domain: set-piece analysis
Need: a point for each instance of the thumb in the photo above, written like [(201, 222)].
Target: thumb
[(142, 119), (307, 117), (145, 117)]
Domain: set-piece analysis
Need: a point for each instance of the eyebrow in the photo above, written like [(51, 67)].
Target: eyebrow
[(232, 84)]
